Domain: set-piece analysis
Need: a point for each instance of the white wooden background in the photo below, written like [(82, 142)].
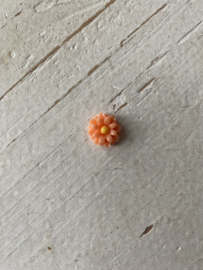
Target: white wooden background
[(67, 204)]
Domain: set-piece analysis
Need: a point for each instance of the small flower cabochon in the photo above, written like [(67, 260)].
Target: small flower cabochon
[(104, 129)]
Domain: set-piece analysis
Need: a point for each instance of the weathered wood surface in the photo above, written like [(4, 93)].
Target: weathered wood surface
[(67, 204)]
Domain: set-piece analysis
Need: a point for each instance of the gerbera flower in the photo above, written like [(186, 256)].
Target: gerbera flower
[(104, 129)]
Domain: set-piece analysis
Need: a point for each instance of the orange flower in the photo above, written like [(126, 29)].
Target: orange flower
[(104, 129)]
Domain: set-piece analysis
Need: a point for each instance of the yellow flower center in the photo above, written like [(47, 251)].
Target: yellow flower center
[(104, 130)]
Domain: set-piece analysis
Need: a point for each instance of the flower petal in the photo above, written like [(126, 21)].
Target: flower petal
[(109, 138), (96, 134), (107, 120), (113, 125), (107, 144), (93, 122), (112, 119), (118, 128), (113, 133), (101, 139), (96, 140), (100, 121), (116, 139), (101, 115), (95, 126), (90, 131)]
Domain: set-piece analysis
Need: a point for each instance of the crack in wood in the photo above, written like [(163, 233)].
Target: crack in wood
[(147, 230), (56, 102), (121, 107), (156, 12), (60, 99), (3, 26), (146, 85), (120, 93), (157, 60), (86, 23), (18, 13), (97, 66), (78, 83), (191, 32), (11, 142), (31, 70)]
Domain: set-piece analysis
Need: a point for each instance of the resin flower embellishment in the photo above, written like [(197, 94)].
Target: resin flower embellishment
[(104, 129)]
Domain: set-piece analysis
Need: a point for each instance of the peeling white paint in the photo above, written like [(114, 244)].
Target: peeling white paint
[(13, 55), (44, 6)]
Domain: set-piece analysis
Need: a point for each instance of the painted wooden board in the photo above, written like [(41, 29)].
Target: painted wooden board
[(66, 203)]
